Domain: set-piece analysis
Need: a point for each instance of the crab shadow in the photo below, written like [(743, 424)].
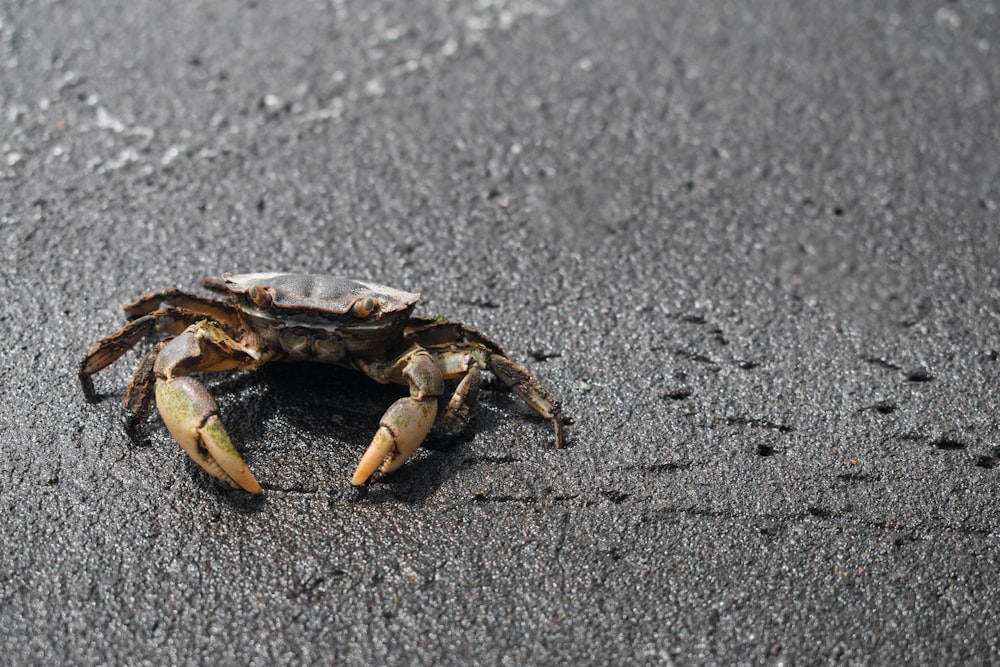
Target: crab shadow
[(337, 410)]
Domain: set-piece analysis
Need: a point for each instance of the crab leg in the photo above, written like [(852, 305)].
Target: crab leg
[(147, 303), (110, 348), (530, 391), (189, 411), (464, 367), (466, 363), (407, 422), (456, 414), (140, 391), (458, 348)]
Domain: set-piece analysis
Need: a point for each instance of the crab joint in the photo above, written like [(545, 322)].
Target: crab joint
[(192, 417)]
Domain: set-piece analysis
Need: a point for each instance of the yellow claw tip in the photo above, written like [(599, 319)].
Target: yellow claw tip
[(374, 457), (217, 443), (251, 485)]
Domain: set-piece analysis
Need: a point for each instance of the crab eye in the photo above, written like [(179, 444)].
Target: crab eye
[(260, 296), (363, 307)]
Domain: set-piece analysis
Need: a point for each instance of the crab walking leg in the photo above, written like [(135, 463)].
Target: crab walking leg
[(107, 350), (530, 391), (456, 414), (465, 367), (139, 393), (176, 298), (406, 423), (189, 411)]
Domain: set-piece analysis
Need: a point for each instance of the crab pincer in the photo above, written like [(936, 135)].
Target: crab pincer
[(189, 412), (406, 423), (192, 417)]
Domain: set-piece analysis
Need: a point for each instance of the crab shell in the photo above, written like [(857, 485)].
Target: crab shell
[(321, 295), (290, 310)]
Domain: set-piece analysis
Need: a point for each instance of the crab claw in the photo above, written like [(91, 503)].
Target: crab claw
[(192, 417), (403, 427)]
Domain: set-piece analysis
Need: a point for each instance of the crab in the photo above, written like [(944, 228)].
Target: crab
[(302, 317)]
